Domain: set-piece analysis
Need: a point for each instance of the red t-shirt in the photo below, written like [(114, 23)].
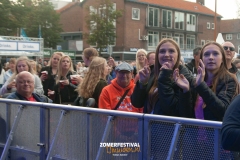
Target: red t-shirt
[(32, 99)]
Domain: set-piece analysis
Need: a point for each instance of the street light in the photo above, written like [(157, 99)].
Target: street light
[(215, 22)]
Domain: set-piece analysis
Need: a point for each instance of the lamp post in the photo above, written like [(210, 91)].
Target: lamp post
[(215, 22)]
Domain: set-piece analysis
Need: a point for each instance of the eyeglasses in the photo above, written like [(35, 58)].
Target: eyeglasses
[(24, 82), (230, 48)]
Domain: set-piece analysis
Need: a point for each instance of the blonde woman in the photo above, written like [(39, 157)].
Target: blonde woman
[(48, 73), (22, 64), (93, 82), (64, 89), (33, 65), (141, 57)]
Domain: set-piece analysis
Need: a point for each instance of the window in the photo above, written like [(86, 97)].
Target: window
[(228, 36), (166, 18), (153, 17), (190, 41), (179, 38), (179, 20), (135, 13), (202, 42), (191, 22), (213, 25), (153, 39), (238, 37), (208, 25), (166, 35), (238, 49)]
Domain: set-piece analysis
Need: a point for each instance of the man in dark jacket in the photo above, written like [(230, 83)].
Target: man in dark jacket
[(25, 88), (193, 65)]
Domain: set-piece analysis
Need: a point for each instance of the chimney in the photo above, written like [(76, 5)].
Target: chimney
[(202, 2)]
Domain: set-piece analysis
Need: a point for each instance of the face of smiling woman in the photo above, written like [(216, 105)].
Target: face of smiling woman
[(167, 53)]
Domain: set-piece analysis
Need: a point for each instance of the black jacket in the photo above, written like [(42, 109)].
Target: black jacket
[(49, 82), (169, 93), (67, 94), (191, 66), (216, 104), (231, 127)]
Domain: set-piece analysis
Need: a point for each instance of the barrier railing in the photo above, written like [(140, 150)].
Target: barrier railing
[(33, 130)]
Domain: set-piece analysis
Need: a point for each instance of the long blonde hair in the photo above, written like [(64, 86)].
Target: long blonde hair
[(59, 71), (25, 59), (33, 65), (138, 65), (93, 76), (50, 60)]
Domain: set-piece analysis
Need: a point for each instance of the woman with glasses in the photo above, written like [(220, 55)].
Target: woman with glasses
[(48, 73), (64, 88), (141, 57), (22, 64)]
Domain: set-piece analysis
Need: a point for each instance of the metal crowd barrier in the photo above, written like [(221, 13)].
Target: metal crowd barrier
[(32, 130)]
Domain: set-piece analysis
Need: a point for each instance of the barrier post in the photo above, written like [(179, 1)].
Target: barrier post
[(105, 135), (55, 135), (10, 136), (174, 141)]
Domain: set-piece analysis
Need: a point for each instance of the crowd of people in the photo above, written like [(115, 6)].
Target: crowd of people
[(157, 82)]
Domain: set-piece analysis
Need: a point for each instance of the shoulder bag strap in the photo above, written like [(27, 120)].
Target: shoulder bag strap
[(120, 101)]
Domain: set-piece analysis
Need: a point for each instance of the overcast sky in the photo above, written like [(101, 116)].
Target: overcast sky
[(226, 8)]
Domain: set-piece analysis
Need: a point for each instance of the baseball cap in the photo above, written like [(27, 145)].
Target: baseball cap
[(124, 66)]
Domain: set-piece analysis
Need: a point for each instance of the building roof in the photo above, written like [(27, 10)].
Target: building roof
[(179, 5), (69, 5), (230, 26)]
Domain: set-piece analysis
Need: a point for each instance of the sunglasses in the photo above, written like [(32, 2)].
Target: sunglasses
[(230, 48)]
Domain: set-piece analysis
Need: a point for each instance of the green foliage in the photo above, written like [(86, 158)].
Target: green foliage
[(100, 23), (30, 14)]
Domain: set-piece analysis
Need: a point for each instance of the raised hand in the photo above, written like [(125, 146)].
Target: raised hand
[(12, 84), (111, 61), (167, 65), (200, 73), (180, 80), (144, 73)]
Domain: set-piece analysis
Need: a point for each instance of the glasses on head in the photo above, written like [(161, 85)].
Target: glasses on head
[(230, 48)]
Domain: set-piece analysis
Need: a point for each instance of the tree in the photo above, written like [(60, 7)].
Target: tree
[(101, 23), (30, 14)]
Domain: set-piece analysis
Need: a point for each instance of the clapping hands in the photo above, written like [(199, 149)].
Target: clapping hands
[(180, 80), (144, 73), (200, 73)]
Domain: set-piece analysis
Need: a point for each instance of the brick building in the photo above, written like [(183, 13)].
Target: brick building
[(231, 32), (145, 22)]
